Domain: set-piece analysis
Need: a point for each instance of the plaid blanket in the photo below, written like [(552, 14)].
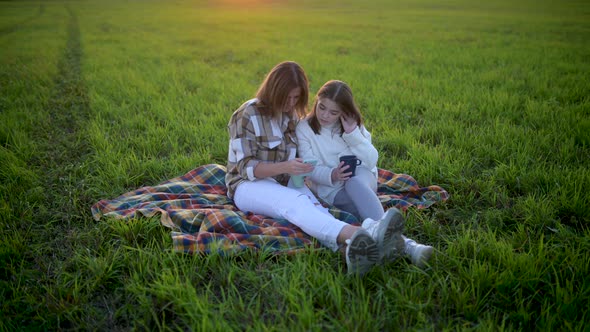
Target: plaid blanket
[(204, 220)]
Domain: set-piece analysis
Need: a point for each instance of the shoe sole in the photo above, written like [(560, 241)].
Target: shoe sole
[(393, 242), (362, 253)]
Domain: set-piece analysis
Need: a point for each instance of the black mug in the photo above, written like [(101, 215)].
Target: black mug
[(352, 162)]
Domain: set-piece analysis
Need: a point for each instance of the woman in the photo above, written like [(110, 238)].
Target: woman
[(262, 156), (335, 128)]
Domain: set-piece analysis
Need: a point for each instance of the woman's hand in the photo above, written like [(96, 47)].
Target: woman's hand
[(340, 173), (348, 123), (297, 167)]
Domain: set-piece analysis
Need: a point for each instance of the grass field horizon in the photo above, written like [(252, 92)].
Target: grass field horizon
[(490, 101)]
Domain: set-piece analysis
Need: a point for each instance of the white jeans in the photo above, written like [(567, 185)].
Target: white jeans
[(298, 205)]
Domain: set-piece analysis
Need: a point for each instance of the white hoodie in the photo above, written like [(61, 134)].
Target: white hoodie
[(326, 148)]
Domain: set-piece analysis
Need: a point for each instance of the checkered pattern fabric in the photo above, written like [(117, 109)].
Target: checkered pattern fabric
[(203, 219)]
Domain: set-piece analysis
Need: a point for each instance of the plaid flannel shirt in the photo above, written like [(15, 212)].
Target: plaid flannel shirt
[(257, 138)]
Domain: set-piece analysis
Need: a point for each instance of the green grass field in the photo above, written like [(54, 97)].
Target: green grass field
[(490, 101)]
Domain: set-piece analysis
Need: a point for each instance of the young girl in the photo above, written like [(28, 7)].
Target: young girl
[(261, 158), (335, 128)]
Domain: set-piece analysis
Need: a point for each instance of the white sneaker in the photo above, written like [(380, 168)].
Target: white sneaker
[(419, 253), (387, 232), (362, 253)]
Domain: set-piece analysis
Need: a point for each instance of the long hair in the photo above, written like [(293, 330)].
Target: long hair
[(273, 93), (341, 94)]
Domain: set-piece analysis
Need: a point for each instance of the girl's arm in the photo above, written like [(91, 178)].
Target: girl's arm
[(321, 174), (359, 142)]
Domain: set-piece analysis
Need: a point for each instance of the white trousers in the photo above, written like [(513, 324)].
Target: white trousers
[(298, 205)]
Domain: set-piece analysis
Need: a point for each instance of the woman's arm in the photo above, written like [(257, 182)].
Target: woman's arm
[(245, 150), (293, 166)]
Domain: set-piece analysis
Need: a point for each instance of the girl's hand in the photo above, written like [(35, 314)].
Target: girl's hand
[(340, 173), (349, 124), (297, 166)]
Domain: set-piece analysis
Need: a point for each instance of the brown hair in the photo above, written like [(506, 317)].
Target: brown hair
[(340, 93), (273, 93)]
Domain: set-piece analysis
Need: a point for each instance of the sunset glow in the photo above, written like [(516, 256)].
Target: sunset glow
[(240, 3)]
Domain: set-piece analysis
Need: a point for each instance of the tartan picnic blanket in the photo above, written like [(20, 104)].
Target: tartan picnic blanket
[(204, 220)]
